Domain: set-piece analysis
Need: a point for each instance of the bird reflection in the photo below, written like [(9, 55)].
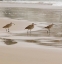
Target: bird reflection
[(9, 41)]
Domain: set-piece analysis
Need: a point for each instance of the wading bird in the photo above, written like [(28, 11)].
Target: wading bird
[(30, 27), (49, 27), (7, 26)]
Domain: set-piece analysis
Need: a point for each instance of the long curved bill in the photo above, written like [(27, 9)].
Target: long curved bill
[(34, 24), (13, 23)]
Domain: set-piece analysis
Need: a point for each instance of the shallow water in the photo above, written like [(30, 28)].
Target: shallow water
[(44, 17), (39, 37), (32, 14)]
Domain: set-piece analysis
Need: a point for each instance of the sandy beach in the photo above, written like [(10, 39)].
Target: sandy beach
[(39, 48), (27, 55), (24, 52)]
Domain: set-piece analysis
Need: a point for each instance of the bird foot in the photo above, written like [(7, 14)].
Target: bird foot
[(8, 31), (47, 31)]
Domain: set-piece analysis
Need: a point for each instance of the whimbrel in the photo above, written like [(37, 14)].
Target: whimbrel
[(49, 27), (30, 27), (7, 26)]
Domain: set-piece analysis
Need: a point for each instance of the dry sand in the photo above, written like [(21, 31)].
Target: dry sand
[(23, 55)]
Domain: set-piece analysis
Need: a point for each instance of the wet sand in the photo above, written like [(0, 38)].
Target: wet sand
[(19, 24), (25, 52)]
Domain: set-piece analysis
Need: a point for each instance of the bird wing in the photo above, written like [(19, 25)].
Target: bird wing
[(6, 26), (47, 26), (28, 27)]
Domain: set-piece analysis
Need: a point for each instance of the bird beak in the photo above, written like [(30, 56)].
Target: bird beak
[(55, 24), (34, 24), (13, 23)]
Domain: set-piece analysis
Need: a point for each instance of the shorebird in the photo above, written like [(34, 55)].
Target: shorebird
[(49, 27), (30, 27), (7, 26)]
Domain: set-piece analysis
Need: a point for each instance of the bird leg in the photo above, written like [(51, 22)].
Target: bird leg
[(49, 30), (8, 29), (27, 32), (30, 32)]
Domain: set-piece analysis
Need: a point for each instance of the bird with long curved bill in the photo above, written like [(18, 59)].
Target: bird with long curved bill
[(49, 27), (7, 26), (30, 27)]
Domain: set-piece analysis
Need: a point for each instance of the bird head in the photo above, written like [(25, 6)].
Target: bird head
[(54, 24), (12, 23), (33, 24)]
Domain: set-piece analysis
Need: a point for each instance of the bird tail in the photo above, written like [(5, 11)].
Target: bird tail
[(45, 27), (2, 27), (24, 28)]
